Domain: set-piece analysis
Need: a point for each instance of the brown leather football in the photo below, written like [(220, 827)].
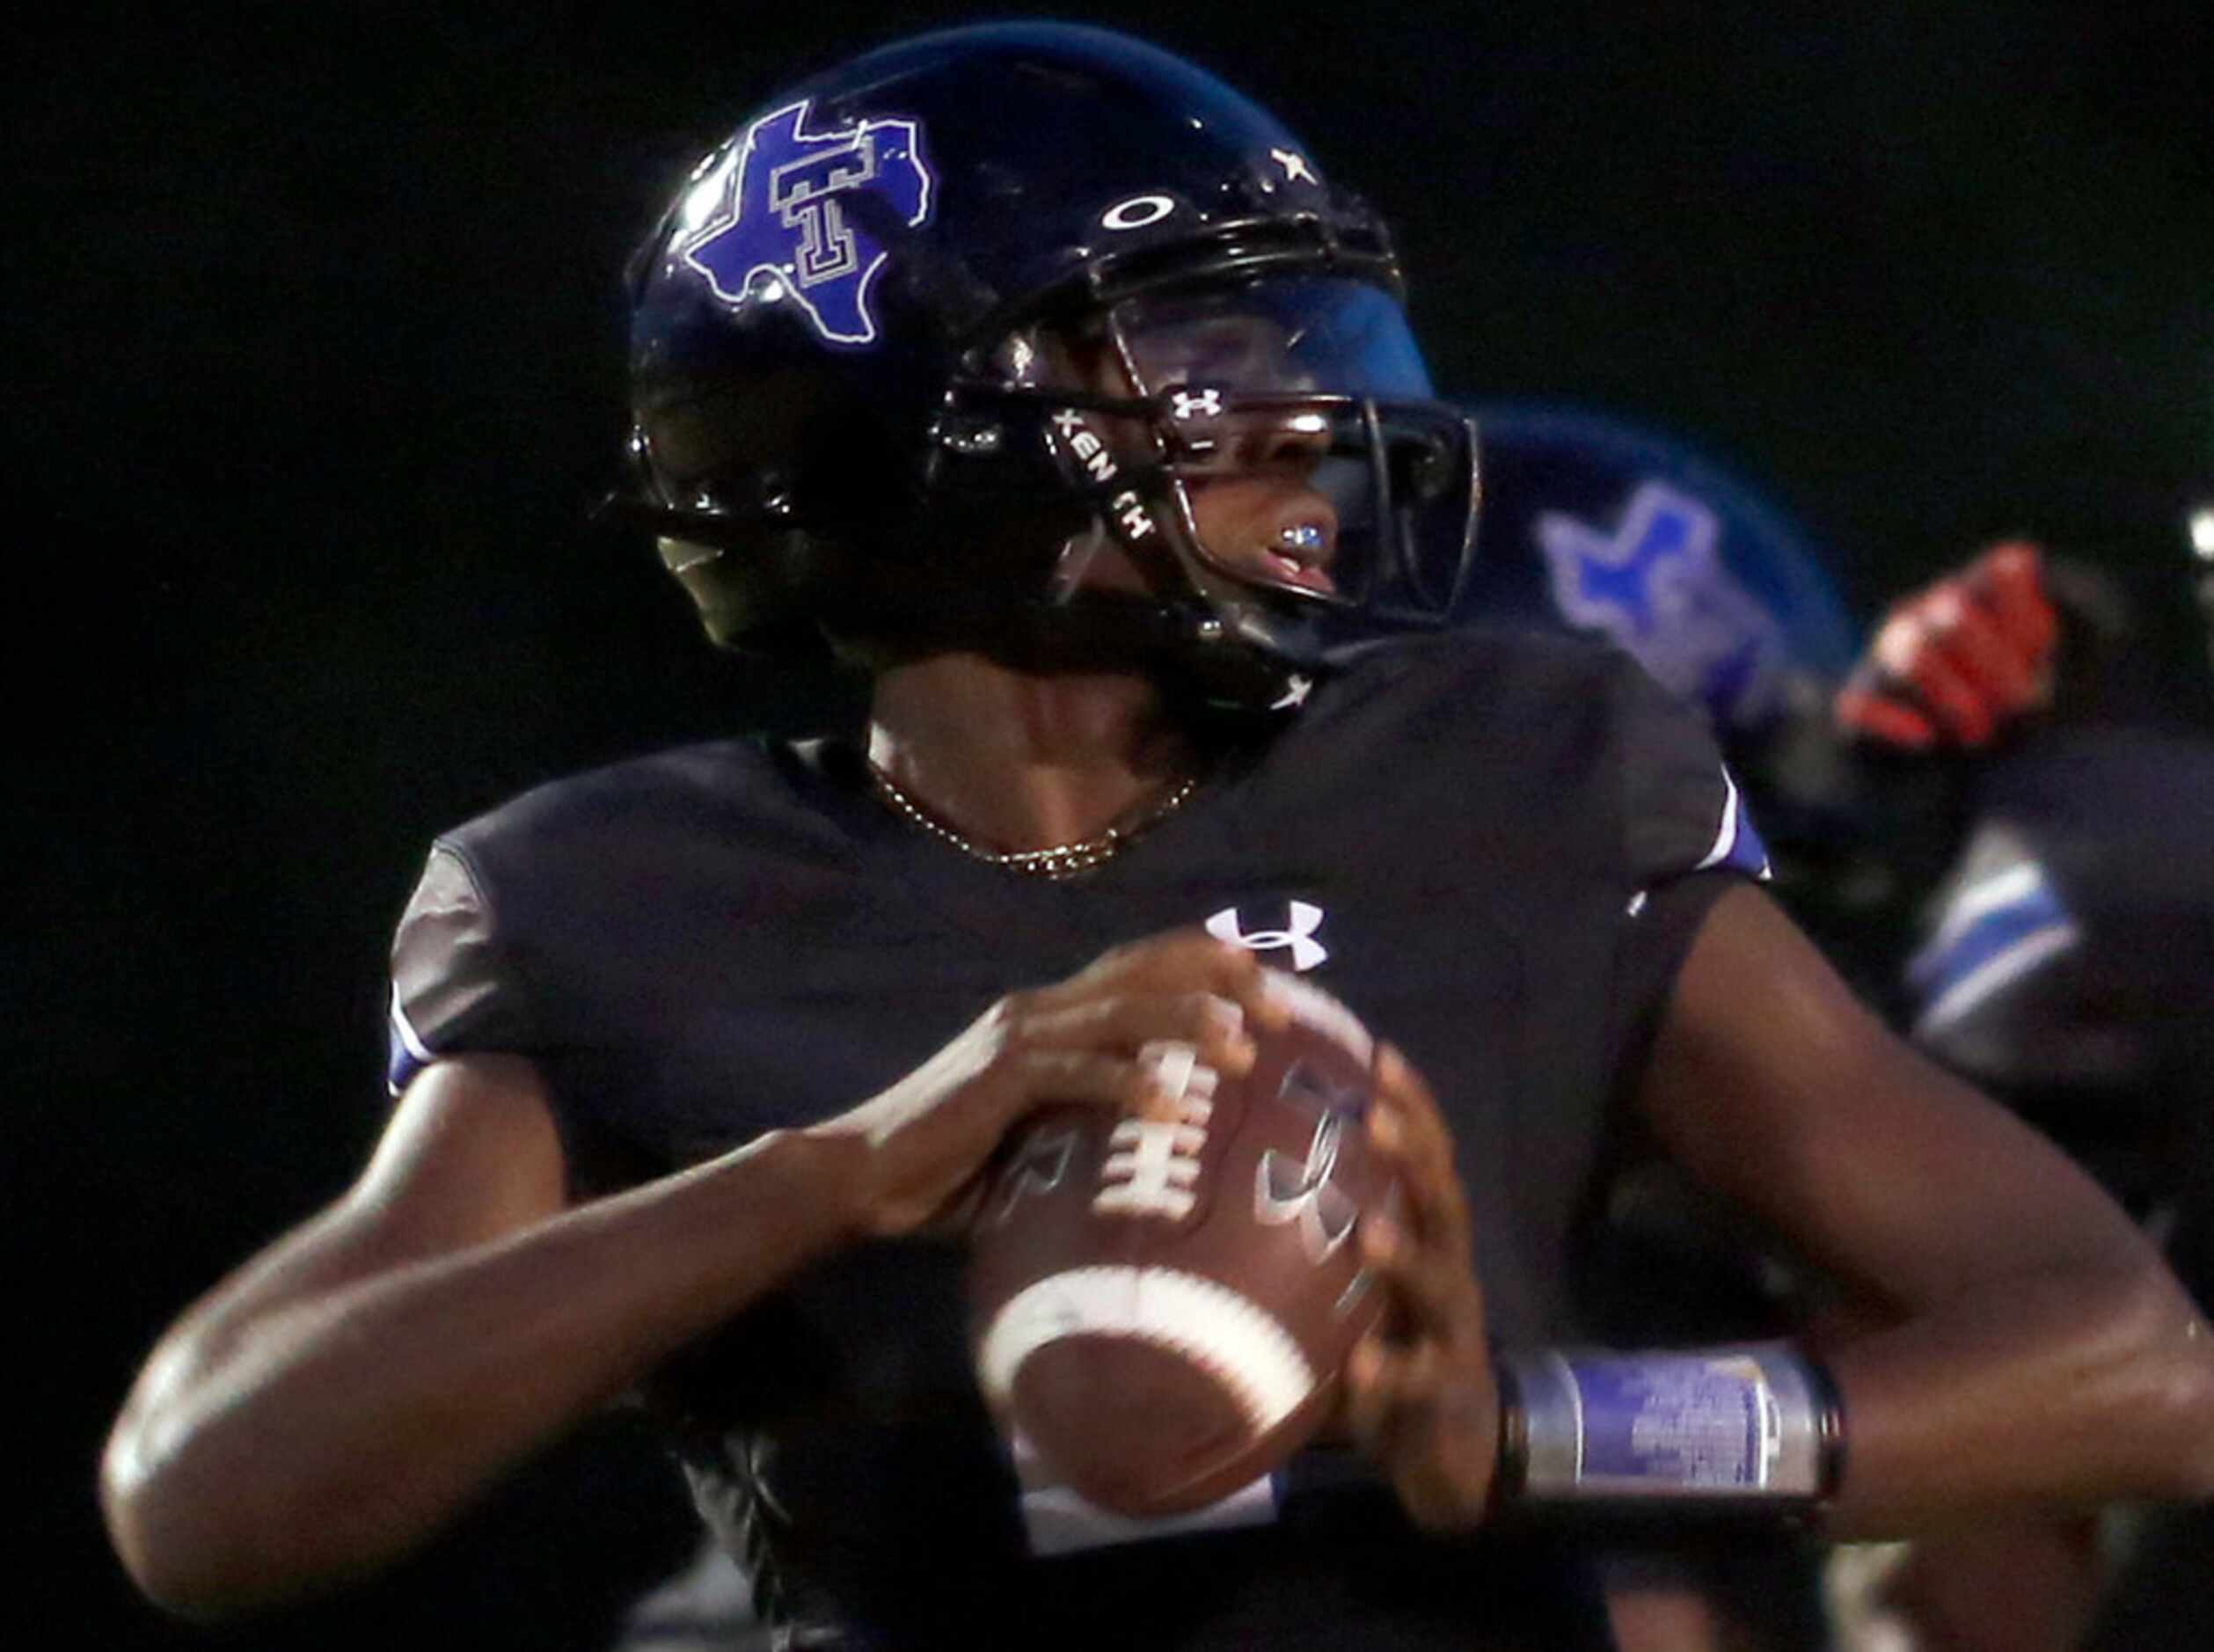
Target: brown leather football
[(1161, 1308)]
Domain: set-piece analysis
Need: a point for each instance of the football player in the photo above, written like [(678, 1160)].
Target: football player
[(1057, 384), (1594, 523), (1943, 742), (1849, 752), (2065, 968)]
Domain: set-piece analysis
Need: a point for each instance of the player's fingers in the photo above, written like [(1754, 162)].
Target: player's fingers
[(1178, 958), (1433, 1287), (1974, 645), (1432, 1206), (1181, 961), (1212, 1025), (1960, 710), (2009, 581), (1404, 1096), (1367, 1391), (1865, 713), (1899, 639), (1906, 656), (1392, 1409), (1123, 1082), (1377, 1374), (1409, 1131)]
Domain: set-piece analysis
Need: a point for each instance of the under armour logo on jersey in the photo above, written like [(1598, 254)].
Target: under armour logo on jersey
[(779, 217), (1303, 920)]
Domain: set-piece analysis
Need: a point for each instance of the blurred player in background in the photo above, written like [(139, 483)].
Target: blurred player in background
[(1597, 524), (1054, 381), (1615, 530), (2006, 732), (2066, 964)]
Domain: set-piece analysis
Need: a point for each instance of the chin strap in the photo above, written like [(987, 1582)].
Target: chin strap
[(1180, 640), (1174, 628)]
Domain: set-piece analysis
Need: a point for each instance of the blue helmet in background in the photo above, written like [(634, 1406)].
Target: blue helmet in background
[(851, 339), (1591, 522)]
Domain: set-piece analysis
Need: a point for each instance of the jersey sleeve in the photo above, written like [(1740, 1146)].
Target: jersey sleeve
[(1686, 837), (452, 989), (1681, 811)]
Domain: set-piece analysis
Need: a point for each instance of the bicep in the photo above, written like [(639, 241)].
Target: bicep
[(1769, 1084), (472, 1153)]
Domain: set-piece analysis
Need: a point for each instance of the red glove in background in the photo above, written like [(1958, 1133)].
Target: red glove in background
[(1960, 660)]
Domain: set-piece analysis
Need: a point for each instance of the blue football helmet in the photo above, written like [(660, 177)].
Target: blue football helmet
[(940, 325), (1591, 522)]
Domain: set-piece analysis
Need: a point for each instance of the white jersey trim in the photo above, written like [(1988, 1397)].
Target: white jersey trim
[(410, 1040), (1725, 835)]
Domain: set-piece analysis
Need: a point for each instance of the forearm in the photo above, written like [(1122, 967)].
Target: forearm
[(2053, 1394), (2033, 1348), (266, 1451), (2060, 1390)]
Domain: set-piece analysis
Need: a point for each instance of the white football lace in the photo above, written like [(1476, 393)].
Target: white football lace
[(1152, 1165)]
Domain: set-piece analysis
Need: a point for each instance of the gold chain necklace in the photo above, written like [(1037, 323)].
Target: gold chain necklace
[(1061, 860)]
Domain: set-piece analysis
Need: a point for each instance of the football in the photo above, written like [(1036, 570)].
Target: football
[(1158, 1310)]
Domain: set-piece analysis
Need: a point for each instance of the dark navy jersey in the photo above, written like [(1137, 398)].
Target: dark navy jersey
[(1494, 850)]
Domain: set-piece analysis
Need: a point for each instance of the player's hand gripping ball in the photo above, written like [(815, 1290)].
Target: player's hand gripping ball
[(1161, 1306)]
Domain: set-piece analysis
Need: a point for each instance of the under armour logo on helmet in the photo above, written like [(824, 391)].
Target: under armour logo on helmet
[(1196, 403), (1298, 934), (778, 223)]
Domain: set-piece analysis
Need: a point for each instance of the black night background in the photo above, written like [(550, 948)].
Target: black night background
[(313, 347)]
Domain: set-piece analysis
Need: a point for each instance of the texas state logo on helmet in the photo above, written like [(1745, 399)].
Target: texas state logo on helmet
[(1592, 521), (785, 208)]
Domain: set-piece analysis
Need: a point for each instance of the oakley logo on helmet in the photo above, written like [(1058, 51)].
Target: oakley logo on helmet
[(1657, 587), (1137, 213), (785, 224), (1304, 918)]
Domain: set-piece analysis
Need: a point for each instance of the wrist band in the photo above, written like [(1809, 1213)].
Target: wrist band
[(1723, 1426)]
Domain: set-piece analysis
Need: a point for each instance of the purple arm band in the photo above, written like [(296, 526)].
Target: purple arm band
[(1724, 1426)]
